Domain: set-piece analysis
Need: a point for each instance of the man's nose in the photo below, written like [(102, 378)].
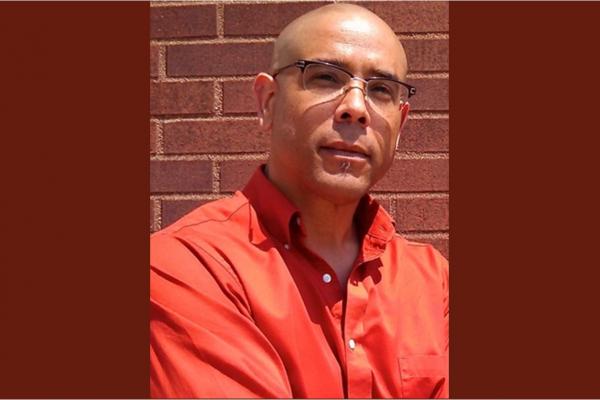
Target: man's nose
[(353, 107)]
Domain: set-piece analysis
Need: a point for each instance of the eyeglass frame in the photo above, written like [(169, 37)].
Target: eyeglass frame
[(302, 64)]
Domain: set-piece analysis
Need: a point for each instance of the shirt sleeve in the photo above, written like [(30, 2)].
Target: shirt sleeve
[(203, 340)]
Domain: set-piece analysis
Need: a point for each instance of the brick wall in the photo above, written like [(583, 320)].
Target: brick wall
[(204, 137)]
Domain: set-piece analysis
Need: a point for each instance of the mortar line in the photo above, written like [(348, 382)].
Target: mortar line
[(160, 147), (159, 4), (428, 75), (377, 195), (169, 120), (244, 156), (211, 157), (250, 115), (439, 234), (220, 15), (266, 38), (210, 78), (218, 99), (410, 195), (423, 35), (216, 176), (187, 196), (250, 77), (162, 63), (409, 155), (428, 115), (214, 40)]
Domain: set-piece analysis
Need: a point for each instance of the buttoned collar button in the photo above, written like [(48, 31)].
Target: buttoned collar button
[(352, 344)]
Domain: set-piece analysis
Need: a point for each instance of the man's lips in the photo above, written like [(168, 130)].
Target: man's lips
[(343, 150)]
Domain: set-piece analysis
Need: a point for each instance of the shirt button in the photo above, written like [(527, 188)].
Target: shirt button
[(286, 246), (351, 344), (298, 221), (326, 278)]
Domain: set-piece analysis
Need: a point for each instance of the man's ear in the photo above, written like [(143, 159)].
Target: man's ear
[(404, 108), (264, 89)]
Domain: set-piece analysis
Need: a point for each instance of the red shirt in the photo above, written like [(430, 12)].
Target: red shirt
[(239, 308)]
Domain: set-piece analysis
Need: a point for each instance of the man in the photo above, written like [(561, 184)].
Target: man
[(298, 286)]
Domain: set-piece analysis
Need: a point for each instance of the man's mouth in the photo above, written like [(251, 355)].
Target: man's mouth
[(340, 150)]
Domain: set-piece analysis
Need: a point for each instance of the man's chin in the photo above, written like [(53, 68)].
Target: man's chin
[(341, 188)]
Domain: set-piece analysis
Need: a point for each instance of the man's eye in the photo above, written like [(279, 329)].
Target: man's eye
[(381, 90), (326, 78)]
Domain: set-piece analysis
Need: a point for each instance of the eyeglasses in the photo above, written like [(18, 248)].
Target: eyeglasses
[(329, 81)]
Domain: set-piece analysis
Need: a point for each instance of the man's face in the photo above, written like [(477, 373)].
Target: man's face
[(336, 149)]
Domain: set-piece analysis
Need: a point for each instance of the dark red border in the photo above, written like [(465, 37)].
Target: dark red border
[(74, 178), (524, 206), (524, 199)]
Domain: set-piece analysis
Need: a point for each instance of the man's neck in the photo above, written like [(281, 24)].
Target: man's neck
[(329, 225), (330, 229), (332, 234)]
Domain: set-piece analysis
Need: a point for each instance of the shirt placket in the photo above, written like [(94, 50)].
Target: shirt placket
[(358, 370)]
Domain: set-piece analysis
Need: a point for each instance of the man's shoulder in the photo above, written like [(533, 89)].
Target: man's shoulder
[(211, 221), (422, 255), (201, 237)]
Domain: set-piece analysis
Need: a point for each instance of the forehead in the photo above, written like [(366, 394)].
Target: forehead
[(358, 44)]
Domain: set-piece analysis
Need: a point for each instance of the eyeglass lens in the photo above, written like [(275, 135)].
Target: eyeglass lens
[(329, 82)]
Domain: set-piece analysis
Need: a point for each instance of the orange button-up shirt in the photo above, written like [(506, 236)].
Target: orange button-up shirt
[(240, 308)]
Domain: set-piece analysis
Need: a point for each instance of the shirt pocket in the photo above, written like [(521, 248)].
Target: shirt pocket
[(424, 376)]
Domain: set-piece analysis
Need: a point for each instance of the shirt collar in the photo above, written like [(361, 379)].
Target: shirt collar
[(272, 208), (275, 212), (375, 226)]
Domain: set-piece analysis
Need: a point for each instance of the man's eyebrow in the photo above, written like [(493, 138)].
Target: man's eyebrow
[(334, 61), (379, 73), (374, 73)]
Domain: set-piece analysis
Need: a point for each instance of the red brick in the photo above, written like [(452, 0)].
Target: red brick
[(181, 98), (263, 19), (412, 16), (422, 214), (214, 137), (421, 175), (218, 59), (238, 97), (154, 128), (172, 210), (426, 54), (425, 135), (154, 60), (432, 94), (183, 22), (180, 176), (235, 174), (441, 244)]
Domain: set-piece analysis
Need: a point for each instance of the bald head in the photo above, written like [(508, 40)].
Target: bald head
[(341, 24)]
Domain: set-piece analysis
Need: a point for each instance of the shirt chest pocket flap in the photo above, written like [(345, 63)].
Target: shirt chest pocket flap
[(424, 376)]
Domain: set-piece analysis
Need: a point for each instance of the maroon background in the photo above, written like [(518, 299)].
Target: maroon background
[(74, 175), (524, 209)]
